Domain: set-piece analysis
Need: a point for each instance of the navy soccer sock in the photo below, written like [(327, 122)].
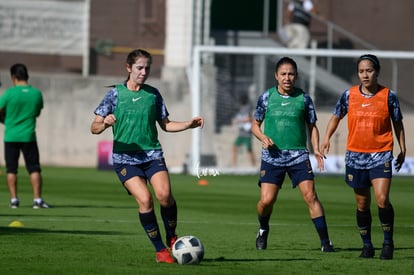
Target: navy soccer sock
[(264, 222), (149, 222), (364, 221), (321, 228), (169, 217), (386, 217)]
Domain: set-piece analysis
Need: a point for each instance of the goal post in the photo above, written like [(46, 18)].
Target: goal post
[(220, 74)]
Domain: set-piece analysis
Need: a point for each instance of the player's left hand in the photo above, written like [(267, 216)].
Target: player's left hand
[(196, 122), (320, 158), (399, 161)]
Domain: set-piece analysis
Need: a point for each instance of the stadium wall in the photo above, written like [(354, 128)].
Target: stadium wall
[(63, 127)]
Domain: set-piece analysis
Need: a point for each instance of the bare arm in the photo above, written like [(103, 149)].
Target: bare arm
[(100, 123), (314, 133), (178, 126), (330, 130), (257, 132), (400, 134)]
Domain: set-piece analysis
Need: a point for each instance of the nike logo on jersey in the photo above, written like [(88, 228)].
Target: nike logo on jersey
[(285, 103), (365, 105), (136, 99)]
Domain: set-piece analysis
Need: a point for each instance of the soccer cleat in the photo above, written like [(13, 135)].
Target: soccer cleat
[(171, 241), (327, 247), (387, 251), (163, 256), (41, 204), (14, 204), (368, 251), (261, 239)]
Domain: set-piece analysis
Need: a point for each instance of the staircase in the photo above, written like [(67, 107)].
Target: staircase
[(328, 85)]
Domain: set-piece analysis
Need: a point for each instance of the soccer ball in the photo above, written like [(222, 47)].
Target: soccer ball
[(188, 250)]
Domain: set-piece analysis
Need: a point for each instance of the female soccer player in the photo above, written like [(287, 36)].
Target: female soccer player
[(287, 113), (132, 109), (373, 111)]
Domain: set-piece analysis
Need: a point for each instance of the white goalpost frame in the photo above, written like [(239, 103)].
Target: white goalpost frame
[(194, 161)]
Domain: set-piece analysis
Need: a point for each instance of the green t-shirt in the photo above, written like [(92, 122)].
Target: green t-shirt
[(22, 105)]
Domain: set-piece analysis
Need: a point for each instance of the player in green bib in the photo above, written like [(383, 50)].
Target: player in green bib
[(21, 105), (132, 110), (287, 113)]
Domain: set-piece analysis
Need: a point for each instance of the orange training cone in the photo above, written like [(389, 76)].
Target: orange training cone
[(202, 182)]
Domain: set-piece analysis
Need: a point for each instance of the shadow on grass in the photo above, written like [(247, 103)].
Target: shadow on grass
[(61, 206), (377, 251), (337, 250), (48, 215), (94, 206), (20, 230), (224, 259), (351, 249)]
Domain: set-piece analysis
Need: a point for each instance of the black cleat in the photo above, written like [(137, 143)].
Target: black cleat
[(14, 204), (42, 204), (261, 239), (387, 251), (367, 251), (327, 247)]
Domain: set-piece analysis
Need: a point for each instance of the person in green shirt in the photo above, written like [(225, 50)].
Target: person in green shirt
[(21, 105)]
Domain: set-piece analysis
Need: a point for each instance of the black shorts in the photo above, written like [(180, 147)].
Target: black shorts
[(145, 170), (362, 178), (276, 174), (30, 153)]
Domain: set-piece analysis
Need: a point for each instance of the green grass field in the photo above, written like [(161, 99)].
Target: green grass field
[(94, 228)]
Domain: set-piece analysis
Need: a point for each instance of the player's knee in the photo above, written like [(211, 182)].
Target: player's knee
[(267, 201), (145, 204), (310, 198), (165, 199), (382, 201)]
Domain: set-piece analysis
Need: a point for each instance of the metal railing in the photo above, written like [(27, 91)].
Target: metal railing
[(332, 28)]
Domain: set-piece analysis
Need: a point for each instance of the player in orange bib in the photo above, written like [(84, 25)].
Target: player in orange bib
[(373, 111)]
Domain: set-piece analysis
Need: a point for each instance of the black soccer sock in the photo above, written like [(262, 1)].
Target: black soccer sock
[(364, 221), (169, 217), (386, 217), (149, 222), (321, 228), (264, 222)]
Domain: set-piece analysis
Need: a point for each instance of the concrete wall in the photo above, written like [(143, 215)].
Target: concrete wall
[(63, 128)]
